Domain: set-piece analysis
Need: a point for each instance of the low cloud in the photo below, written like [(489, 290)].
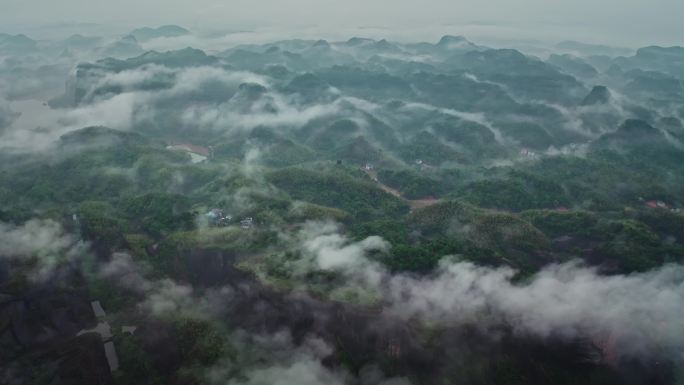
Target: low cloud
[(163, 297), (7, 115), (41, 245), (39, 127), (324, 248), (134, 106), (476, 117), (273, 110), (641, 313), (288, 363)]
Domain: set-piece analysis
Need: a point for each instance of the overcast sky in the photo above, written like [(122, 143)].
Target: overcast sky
[(625, 22)]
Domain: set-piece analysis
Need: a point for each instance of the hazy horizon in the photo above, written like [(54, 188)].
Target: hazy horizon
[(638, 24)]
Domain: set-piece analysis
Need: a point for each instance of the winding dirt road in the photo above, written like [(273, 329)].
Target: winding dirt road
[(415, 204)]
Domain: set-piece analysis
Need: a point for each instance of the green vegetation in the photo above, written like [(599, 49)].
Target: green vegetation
[(243, 171), (519, 192), (557, 224), (359, 198), (414, 185)]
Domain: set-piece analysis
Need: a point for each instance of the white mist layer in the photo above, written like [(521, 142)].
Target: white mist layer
[(639, 313)]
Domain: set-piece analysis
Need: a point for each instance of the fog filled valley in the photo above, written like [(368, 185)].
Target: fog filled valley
[(180, 208)]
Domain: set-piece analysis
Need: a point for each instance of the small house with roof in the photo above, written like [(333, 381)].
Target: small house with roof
[(216, 217)]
